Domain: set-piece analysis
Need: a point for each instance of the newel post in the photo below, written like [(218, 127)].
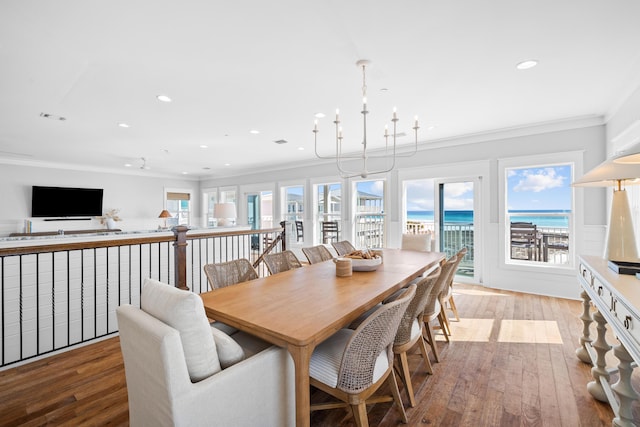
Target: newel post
[(283, 224), (180, 256)]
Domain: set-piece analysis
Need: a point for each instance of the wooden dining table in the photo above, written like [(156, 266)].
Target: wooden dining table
[(300, 308)]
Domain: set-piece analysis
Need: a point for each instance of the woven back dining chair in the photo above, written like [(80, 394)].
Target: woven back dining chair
[(411, 332), (433, 307), (316, 254), (228, 273), (343, 247), (281, 261), (351, 365), (447, 297)]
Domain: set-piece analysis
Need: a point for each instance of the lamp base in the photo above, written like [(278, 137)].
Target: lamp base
[(621, 239)]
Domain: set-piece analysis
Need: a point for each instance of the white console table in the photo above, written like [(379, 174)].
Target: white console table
[(617, 300)]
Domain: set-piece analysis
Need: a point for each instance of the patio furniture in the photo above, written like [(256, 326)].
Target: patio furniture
[(524, 239), (329, 231), (299, 231)]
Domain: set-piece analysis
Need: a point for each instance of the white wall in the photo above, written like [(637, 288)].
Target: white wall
[(139, 198), (480, 155)]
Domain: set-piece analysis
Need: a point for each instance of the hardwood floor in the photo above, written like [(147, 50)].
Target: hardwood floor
[(510, 362)]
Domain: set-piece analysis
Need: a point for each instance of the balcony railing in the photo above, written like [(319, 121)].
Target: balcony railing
[(56, 296), (369, 230)]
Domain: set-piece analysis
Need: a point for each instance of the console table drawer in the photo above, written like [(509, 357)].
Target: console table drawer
[(626, 319)]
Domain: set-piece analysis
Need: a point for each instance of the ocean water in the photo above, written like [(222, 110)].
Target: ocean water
[(543, 218)]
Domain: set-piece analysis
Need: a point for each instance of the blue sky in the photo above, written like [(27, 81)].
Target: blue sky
[(547, 188)]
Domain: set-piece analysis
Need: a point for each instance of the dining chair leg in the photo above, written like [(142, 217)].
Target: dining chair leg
[(454, 309), (444, 324), (431, 340), (393, 384), (360, 414), (425, 352), (406, 377)]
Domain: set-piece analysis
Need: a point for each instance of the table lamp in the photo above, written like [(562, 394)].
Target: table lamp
[(621, 239), (225, 213), (164, 215)]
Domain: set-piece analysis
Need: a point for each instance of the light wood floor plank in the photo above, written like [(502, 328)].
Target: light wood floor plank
[(486, 377)]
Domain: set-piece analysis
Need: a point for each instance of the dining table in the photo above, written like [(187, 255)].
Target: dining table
[(299, 308)]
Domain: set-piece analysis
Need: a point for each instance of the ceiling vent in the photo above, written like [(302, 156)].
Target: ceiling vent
[(281, 141)]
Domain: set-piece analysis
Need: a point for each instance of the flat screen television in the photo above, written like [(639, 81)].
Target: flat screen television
[(65, 201)]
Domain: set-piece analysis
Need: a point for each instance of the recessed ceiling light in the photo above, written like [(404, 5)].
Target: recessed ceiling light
[(318, 115), (525, 65), (123, 125), (431, 127), (254, 132), (204, 146), (163, 98), (127, 165), (301, 148), (185, 173), (227, 164)]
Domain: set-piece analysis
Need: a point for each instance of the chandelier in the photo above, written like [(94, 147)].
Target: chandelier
[(389, 158)]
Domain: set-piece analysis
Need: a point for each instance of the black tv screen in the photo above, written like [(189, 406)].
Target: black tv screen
[(65, 201)]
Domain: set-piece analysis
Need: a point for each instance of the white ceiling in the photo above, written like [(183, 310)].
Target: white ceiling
[(235, 66)]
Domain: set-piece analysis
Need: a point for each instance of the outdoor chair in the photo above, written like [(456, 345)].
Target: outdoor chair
[(524, 239), (299, 231), (329, 231)]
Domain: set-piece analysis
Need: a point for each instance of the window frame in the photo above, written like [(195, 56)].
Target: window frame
[(576, 221)]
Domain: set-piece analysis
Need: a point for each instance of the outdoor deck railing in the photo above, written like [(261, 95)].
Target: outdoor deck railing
[(55, 296), (369, 230)]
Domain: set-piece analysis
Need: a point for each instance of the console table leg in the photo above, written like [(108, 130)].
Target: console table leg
[(600, 369), (623, 388), (587, 319)]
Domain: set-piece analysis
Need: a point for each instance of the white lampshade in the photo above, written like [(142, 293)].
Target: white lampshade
[(621, 240), (225, 213)]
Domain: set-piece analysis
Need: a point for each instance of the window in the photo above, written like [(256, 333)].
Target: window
[(369, 214), (538, 214), (328, 202), (293, 209), (210, 198), (179, 206)]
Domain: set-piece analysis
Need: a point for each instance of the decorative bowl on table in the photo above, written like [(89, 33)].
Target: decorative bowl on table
[(365, 264)]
